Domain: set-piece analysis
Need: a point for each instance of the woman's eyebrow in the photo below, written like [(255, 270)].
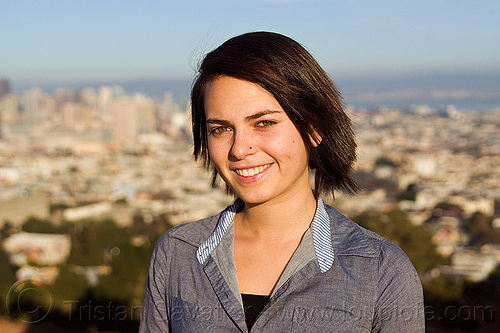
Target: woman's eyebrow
[(218, 122), (247, 118), (262, 113)]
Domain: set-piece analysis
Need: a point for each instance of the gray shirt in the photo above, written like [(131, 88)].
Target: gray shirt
[(341, 278)]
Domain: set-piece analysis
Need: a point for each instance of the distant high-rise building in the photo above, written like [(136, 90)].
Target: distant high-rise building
[(132, 116), (4, 87), (59, 99), (125, 123), (32, 101), (146, 114), (88, 96), (104, 98)]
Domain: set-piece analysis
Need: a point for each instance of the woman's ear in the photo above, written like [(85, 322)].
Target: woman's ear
[(315, 138)]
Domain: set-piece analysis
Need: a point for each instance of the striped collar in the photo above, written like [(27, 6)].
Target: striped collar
[(320, 226)]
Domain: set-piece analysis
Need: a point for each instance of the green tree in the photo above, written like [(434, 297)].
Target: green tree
[(127, 281), (414, 240), (409, 194), (68, 289), (38, 225), (442, 288), (7, 230), (7, 278), (449, 209), (91, 240), (480, 230), (58, 206)]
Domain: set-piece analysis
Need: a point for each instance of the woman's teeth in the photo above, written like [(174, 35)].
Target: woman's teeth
[(252, 171)]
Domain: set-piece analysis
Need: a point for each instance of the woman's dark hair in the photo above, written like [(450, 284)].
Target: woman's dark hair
[(285, 69)]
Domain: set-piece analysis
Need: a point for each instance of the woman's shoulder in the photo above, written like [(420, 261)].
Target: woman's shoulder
[(348, 237)]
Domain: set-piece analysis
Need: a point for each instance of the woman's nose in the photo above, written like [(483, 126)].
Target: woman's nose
[(242, 145)]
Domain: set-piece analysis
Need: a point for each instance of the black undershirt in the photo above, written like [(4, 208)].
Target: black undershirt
[(253, 304)]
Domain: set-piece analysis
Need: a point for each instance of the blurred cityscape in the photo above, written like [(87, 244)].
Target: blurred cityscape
[(89, 179)]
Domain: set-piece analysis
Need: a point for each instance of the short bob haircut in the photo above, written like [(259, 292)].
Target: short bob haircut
[(287, 70)]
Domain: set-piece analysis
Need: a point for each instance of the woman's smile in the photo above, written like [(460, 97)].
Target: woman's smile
[(252, 174), (253, 171)]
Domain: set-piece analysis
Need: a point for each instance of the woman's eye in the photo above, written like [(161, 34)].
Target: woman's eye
[(265, 123), (219, 130)]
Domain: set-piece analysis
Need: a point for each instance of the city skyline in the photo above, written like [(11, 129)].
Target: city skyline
[(468, 90), (58, 43)]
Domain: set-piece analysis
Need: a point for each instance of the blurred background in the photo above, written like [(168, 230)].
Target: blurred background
[(95, 144)]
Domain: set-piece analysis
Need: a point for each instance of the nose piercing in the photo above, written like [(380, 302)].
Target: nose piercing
[(250, 147)]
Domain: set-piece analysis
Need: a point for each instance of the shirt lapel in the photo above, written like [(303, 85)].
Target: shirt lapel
[(229, 301)]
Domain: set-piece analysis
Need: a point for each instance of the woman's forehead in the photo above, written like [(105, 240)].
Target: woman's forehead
[(230, 97)]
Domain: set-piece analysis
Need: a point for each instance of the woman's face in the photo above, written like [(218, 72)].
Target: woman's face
[(252, 143)]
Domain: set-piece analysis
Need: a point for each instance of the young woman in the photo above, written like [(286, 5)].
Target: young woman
[(264, 114)]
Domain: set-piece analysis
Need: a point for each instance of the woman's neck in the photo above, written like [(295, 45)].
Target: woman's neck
[(278, 220)]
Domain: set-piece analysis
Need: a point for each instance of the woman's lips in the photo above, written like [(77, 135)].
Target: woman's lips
[(251, 171)]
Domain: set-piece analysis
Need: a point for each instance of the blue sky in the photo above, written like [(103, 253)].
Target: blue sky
[(78, 41)]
